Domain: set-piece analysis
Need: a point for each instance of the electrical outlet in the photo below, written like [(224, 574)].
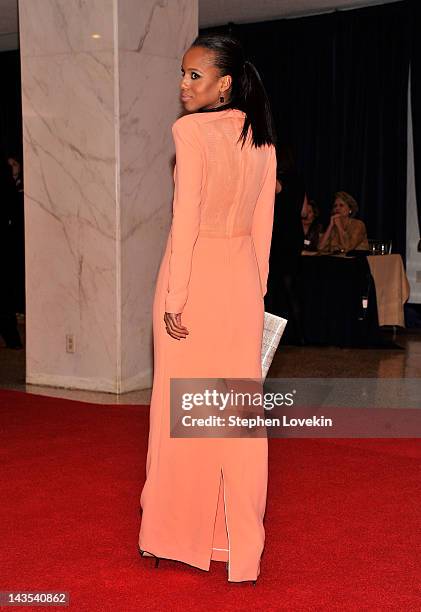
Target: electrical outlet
[(70, 343)]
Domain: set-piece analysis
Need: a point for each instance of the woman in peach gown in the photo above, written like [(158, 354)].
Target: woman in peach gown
[(204, 498)]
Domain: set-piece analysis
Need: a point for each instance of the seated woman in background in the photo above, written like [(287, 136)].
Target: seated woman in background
[(344, 233), (312, 228)]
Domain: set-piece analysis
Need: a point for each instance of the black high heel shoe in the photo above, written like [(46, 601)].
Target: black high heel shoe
[(142, 554)]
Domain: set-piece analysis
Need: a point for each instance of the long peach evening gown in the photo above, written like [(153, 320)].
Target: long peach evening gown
[(205, 498)]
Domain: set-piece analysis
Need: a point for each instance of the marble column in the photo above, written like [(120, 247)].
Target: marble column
[(100, 85)]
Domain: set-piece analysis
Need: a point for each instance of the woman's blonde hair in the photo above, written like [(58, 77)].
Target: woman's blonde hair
[(349, 201)]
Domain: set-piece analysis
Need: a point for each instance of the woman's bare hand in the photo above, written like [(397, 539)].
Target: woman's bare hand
[(174, 327), (335, 220)]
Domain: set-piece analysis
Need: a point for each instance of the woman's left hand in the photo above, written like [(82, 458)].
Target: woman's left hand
[(174, 327)]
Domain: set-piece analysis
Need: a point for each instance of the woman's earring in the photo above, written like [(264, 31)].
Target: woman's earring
[(221, 99)]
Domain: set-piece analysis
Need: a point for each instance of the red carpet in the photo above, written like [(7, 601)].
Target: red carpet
[(342, 522)]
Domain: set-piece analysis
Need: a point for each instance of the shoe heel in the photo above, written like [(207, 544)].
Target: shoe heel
[(142, 554)]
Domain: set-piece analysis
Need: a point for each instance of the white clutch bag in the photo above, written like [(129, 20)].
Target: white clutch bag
[(273, 329)]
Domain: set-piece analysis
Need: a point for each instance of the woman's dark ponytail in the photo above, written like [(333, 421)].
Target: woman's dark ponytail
[(247, 93)]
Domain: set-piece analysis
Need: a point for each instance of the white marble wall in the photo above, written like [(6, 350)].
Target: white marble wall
[(413, 231), (98, 181), (153, 37)]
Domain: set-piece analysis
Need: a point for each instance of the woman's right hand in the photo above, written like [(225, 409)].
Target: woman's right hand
[(334, 220)]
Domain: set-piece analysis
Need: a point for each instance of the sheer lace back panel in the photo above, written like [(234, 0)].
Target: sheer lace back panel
[(233, 176)]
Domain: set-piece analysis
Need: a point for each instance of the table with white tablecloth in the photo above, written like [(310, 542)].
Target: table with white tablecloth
[(392, 288)]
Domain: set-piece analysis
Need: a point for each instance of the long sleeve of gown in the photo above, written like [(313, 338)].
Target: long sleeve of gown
[(186, 210), (263, 221)]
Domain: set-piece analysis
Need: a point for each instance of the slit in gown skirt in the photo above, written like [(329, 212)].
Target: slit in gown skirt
[(204, 498)]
